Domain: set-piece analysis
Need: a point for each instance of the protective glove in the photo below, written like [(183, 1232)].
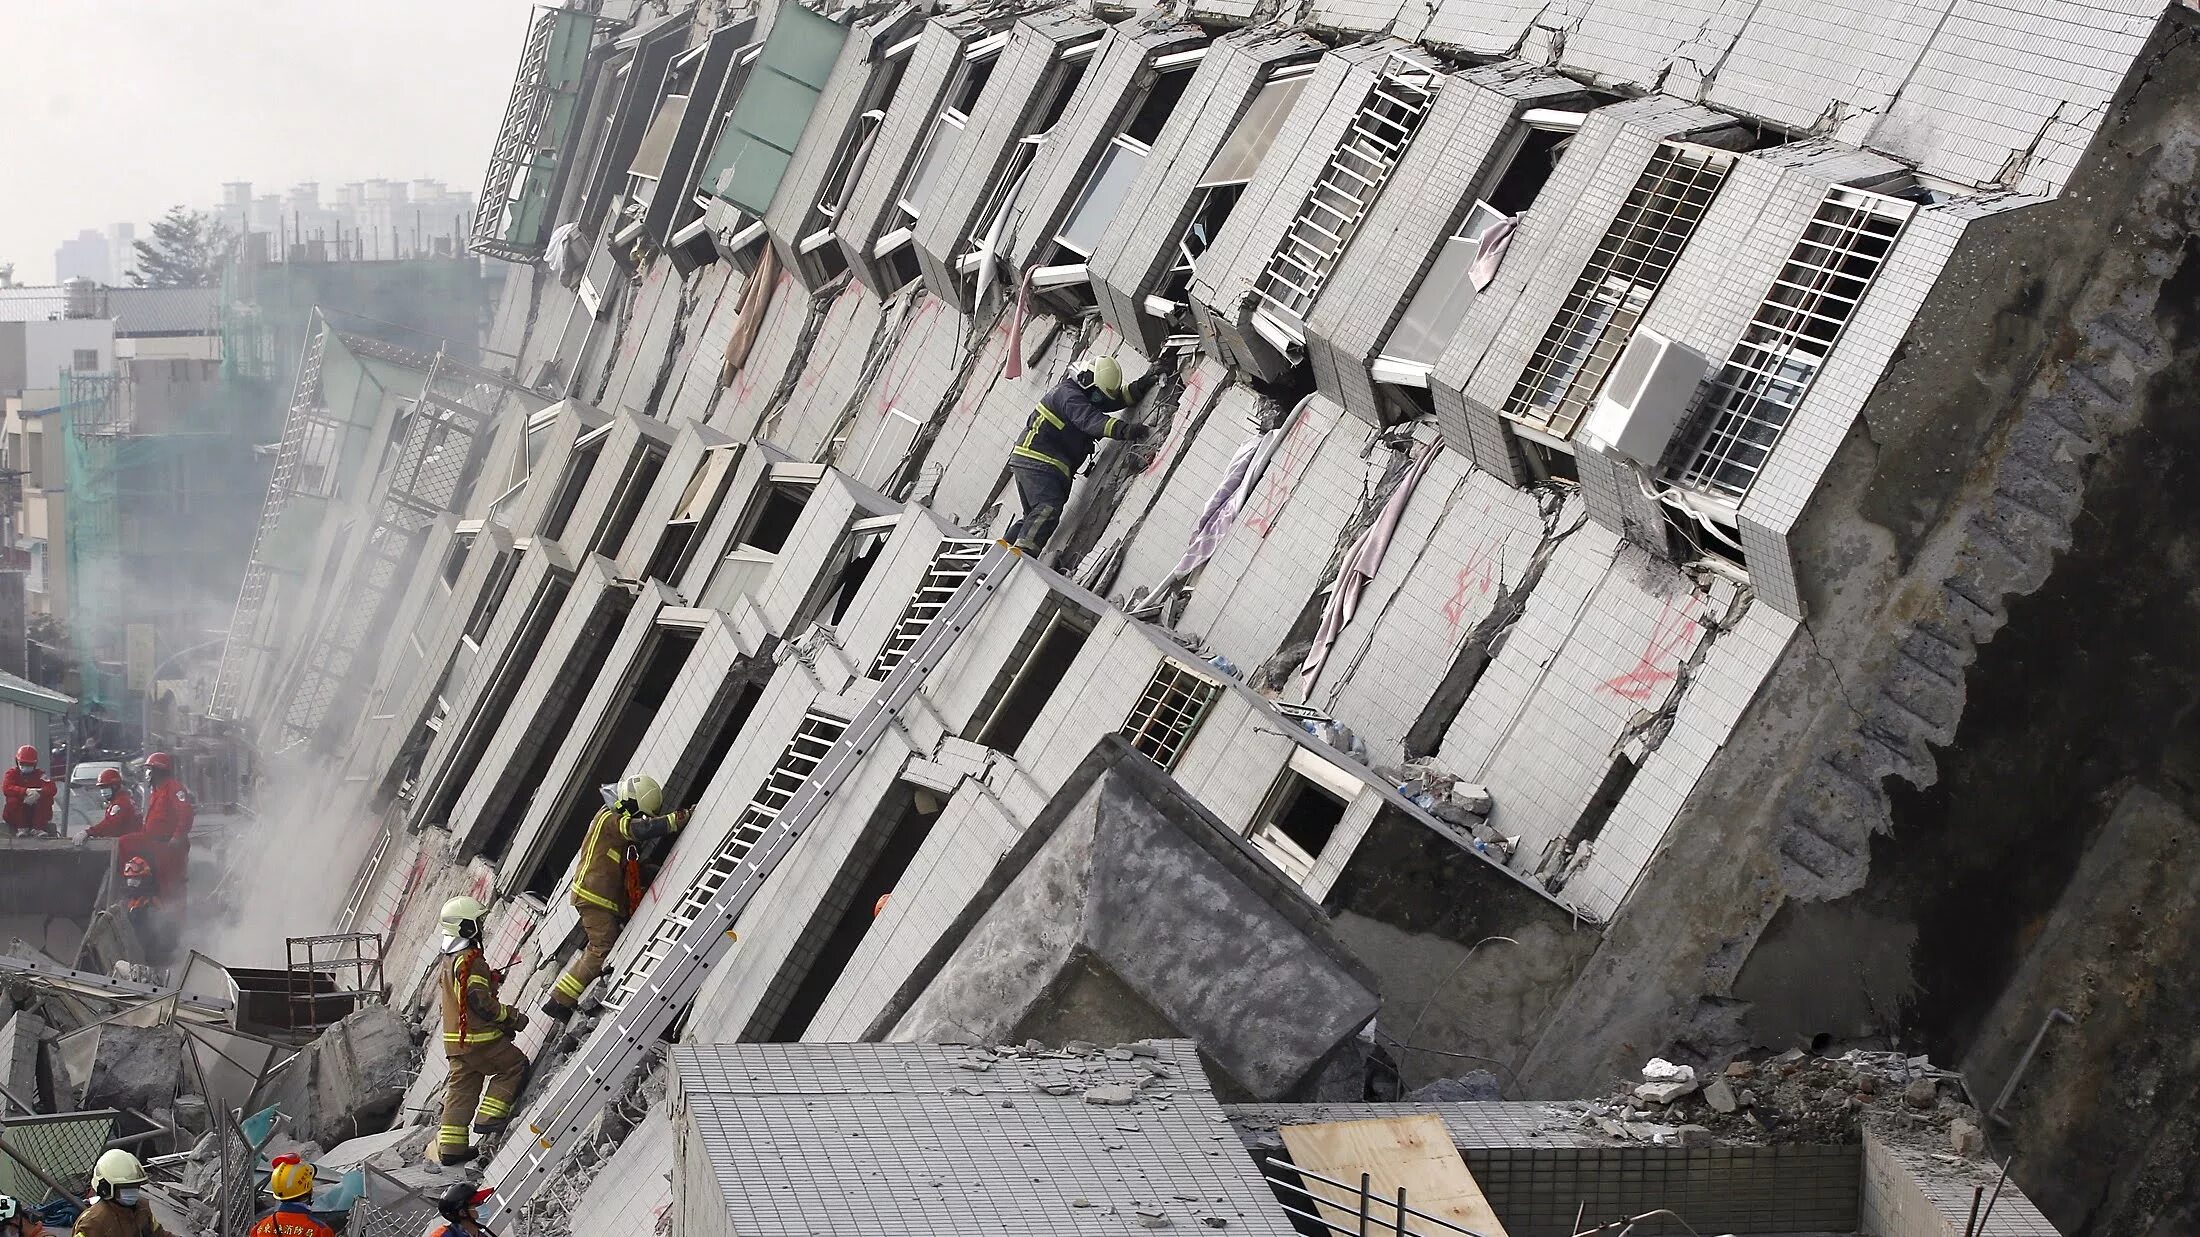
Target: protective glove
[(30, 796), (1137, 433), (679, 818), (1136, 388), (516, 1021)]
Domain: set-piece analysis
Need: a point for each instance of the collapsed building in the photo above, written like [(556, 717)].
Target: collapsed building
[(1597, 454)]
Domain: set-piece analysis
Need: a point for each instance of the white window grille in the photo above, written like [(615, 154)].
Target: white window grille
[(1615, 288), (803, 753), (1751, 400), (1169, 712), (1382, 129), (952, 564)]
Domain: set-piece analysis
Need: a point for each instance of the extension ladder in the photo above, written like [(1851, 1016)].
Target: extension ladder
[(658, 994)]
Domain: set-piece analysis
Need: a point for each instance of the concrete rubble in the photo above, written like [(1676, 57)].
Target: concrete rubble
[(1796, 1097)]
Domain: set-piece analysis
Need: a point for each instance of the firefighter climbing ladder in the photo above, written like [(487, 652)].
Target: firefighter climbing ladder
[(667, 978)]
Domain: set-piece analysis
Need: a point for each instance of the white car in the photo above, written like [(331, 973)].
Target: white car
[(85, 776)]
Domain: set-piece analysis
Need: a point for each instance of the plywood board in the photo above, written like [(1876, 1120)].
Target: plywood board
[(1412, 1153)]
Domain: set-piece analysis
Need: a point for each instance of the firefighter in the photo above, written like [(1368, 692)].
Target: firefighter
[(609, 883), (1076, 414), (141, 902), (290, 1180), (29, 795), (118, 1205), (120, 818), (16, 1220), (169, 811), (458, 1205), (477, 1037)]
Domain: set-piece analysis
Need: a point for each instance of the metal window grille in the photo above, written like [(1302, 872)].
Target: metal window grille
[(1751, 400), (812, 739), (512, 213), (1615, 289), (1380, 132), (1169, 712), (952, 564)]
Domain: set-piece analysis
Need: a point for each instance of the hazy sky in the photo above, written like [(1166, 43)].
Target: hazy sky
[(114, 110)]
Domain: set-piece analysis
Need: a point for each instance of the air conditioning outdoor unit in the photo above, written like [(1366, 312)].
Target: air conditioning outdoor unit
[(1645, 399)]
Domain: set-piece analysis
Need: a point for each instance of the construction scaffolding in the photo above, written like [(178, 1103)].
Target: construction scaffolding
[(527, 164), (95, 427)]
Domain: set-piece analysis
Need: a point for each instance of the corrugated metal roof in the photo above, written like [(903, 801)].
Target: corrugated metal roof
[(165, 311), (31, 696)]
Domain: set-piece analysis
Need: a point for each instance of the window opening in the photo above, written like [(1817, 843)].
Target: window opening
[(1755, 394), (1159, 104), (843, 919), (706, 493), (1615, 289), (570, 484), (1297, 821), (626, 502), (1330, 215), (1441, 301), (940, 143), (772, 514), (855, 552), (1168, 713), (492, 594), (1530, 167), (517, 785), (1225, 179), (516, 657), (454, 559), (1033, 679), (952, 564), (607, 758)]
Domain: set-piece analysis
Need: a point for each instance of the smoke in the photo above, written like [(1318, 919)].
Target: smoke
[(283, 873)]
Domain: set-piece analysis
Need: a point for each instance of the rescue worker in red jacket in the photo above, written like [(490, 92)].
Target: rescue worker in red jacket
[(29, 795), (141, 902), (120, 819), (291, 1182), (458, 1206), (169, 811)]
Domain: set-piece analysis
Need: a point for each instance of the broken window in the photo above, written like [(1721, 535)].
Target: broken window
[(1439, 304), (939, 145), (527, 165), (1168, 713), (952, 563), (1614, 290), (760, 134), (1225, 179), (635, 482), (1302, 811), (841, 581), (454, 559), (771, 516), (1380, 132), (1044, 661), (649, 159), (1756, 392), (578, 464), (698, 506)]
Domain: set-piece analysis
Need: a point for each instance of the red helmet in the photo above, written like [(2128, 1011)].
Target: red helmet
[(110, 777), (136, 868), (26, 755), (161, 761)]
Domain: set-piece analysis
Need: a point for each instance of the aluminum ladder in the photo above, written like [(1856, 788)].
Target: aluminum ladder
[(599, 1071)]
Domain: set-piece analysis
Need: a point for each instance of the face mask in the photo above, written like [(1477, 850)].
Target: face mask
[(452, 944), (134, 884), (106, 794), (127, 1196), (26, 769)]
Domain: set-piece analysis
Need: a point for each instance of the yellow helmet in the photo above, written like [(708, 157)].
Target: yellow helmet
[(644, 792), (115, 1169), (291, 1178), (1107, 374)]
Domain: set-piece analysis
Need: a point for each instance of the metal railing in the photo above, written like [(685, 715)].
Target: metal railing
[(1352, 1209)]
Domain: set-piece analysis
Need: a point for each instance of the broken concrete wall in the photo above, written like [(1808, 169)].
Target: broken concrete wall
[(1897, 816), (1062, 935), (350, 1080)]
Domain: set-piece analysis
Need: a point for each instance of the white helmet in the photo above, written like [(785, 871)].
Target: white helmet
[(461, 923), (643, 792), (115, 1170)]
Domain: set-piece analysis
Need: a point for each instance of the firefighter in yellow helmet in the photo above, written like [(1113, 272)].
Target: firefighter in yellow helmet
[(609, 882), (477, 1037), (1068, 422), (118, 1205), (290, 1180)]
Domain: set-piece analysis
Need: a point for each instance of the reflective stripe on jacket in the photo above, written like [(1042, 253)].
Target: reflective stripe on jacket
[(464, 1026), (1067, 423)]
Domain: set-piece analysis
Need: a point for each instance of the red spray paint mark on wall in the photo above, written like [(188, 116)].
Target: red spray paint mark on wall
[(1660, 661), (1195, 390), (1298, 448), (1477, 575)]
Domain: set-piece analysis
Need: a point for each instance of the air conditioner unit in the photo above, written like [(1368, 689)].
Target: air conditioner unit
[(1645, 399)]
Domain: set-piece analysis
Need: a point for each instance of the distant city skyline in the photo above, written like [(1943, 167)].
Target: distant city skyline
[(123, 109)]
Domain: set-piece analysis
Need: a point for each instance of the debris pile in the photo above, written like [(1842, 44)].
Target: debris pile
[(1796, 1098)]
